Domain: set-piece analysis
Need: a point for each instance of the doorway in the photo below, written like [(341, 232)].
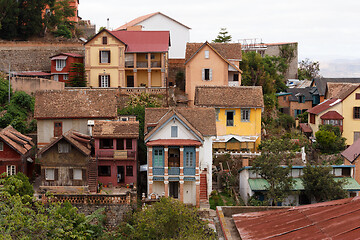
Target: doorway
[(174, 189), (130, 81), (120, 174)]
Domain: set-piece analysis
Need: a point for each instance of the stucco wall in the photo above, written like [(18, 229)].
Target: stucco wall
[(31, 85), (350, 124), (165, 132), (315, 127)]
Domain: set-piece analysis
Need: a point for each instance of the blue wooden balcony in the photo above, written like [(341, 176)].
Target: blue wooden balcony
[(189, 171), (174, 171), (158, 171)]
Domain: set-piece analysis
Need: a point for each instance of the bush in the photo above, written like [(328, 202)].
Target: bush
[(285, 121), (63, 31), (329, 140)]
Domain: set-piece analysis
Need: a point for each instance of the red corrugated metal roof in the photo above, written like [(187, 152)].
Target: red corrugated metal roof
[(338, 219), (68, 54), (324, 105), (352, 152), (305, 128), (144, 41), (174, 142), (332, 115)]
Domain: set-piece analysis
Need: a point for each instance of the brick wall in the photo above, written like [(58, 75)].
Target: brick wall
[(297, 105), (34, 56)]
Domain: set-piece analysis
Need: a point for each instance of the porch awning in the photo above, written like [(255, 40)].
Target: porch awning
[(61, 57), (174, 142), (260, 184)]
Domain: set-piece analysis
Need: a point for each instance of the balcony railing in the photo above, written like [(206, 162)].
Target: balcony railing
[(116, 154), (174, 171), (189, 171), (156, 64), (129, 64), (141, 64), (158, 171)]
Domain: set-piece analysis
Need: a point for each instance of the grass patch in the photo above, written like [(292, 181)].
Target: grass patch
[(229, 200), (215, 200)]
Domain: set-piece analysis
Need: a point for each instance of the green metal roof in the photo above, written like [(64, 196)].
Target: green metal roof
[(260, 184)]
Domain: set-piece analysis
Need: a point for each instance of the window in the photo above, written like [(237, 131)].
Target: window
[(356, 136), (104, 40), (129, 144), (357, 96), (236, 77), (297, 112), (301, 99), (284, 98), (104, 81), (174, 131), (230, 118), (158, 157), (129, 171), (152, 56), (357, 112), (1, 146), (346, 172), (207, 54), (56, 77), (11, 170), (189, 155), (60, 64), (104, 171), (64, 148), (77, 174), (106, 143), (66, 77), (206, 74), (312, 118), (120, 144), (217, 112), (245, 115), (50, 174), (57, 129), (104, 56)]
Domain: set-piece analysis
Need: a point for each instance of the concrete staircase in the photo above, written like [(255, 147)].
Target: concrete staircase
[(92, 175)]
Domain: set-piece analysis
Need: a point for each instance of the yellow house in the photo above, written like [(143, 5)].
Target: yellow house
[(127, 59), (238, 115), (211, 64)]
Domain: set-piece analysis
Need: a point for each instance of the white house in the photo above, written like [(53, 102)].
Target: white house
[(179, 152), (179, 33)]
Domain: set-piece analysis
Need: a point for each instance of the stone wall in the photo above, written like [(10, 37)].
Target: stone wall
[(34, 55), (175, 66), (32, 84)]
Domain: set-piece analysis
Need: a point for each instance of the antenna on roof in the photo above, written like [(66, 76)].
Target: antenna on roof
[(108, 24)]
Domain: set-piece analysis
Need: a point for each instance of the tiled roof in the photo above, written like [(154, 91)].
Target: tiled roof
[(140, 19), (337, 90), (202, 120), (174, 142), (116, 129), (19, 142), (76, 139), (324, 105), (352, 152), (144, 41), (226, 50), (328, 220), (332, 115), (222, 96), (321, 83), (31, 74), (305, 128), (69, 54), (87, 103)]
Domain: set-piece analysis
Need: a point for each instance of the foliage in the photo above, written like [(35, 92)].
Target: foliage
[(320, 184), (78, 79), (223, 36), (308, 69), (303, 118), (288, 52), (270, 100), (167, 219), (215, 200), (101, 28), (17, 184), (4, 90), (329, 140), (274, 165), (227, 180), (285, 121), (180, 80), (23, 100), (255, 201)]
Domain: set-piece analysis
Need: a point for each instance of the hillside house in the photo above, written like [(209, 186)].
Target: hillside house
[(61, 65), (295, 101), (179, 152), (211, 64)]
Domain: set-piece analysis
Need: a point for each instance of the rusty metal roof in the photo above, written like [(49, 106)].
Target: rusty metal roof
[(352, 152), (338, 219)]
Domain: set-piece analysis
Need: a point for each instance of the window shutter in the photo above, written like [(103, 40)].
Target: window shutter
[(109, 57), (99, 80), (84, 176), (56, 174), (109, 81), (99, 56), (71, 173), (203, 74), (210, 73)]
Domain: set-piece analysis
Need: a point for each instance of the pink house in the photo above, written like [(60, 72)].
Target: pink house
[(116, 151)]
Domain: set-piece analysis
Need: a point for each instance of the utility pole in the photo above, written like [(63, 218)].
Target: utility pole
[(9, 79)]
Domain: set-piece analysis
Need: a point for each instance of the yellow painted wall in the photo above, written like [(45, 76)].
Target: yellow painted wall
[(350, 125), (194, 72), (251, 128), (156, 78)]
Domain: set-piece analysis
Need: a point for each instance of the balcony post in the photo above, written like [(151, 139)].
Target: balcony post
[(149, 60), (181, 161), (197, 177), (166, 171), (135, 61), (149, 78), (163, 83), (181, 189), (150, 171)]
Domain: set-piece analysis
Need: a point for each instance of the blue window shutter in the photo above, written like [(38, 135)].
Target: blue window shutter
[(158, 157), (189, 152)]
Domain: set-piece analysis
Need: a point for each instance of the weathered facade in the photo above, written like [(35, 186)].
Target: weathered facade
[(61, 66)]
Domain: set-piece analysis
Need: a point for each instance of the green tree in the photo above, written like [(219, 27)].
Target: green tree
[(17, 184), (320, 184), (4, 90), (167, 219), (9, 10), (58, 21), (78, 79), (274, 165), (308, 69), (329, 140), (223, 36)]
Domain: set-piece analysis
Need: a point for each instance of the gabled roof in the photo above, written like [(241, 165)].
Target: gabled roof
[(226, 51), (17, 141), (328, 220), (201, 121), (324, 105), (78, 140), (75, 55), (320, 83), (116, 129), (140, 19), (296, 92), (338, 90), (223, 96), (75, 103), (352, 152), (332, 115)]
